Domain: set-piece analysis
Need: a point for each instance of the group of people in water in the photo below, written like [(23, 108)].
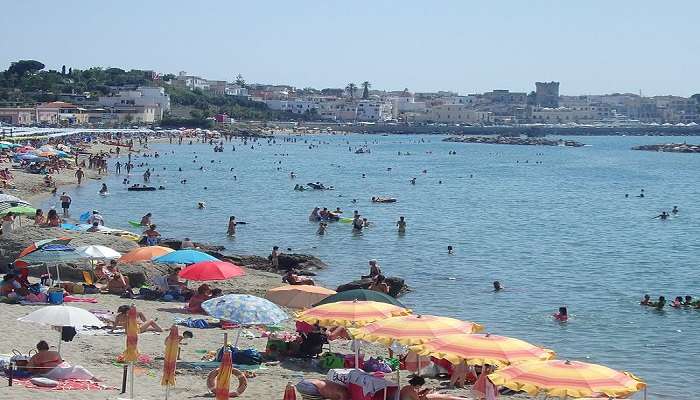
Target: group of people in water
[(678, 302)]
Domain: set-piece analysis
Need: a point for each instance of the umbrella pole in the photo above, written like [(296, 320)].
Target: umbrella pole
[(645, 393), (238, 336), (60, 337), (131, 380)]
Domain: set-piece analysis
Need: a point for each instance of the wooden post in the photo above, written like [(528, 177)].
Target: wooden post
[(126, 368), (10, 374)]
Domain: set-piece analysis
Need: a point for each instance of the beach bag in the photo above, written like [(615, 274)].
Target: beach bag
[(56, 296), (376, 365), (90, 289), (35, 288), (241, 357), (331, 361)]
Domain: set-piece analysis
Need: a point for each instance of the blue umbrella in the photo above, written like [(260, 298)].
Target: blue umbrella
[(26, 156), (244, 309), (184, 257)]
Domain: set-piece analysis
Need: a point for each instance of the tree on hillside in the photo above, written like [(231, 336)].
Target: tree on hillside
[(365, 89), (350, 89), (21, 67), (240, 81)]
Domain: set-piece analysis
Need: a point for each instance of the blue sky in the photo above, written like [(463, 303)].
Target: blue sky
[(466, 46)]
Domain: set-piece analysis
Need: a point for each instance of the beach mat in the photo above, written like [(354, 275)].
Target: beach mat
[(213, 365), (69, 384)]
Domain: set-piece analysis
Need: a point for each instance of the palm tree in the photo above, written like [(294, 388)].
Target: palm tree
[(365, 89), (351, 88)]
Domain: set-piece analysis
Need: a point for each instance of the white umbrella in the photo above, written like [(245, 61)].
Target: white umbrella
[(97, 252), (62, 316)]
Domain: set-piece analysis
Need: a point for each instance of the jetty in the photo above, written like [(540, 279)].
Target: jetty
[(513, 140), (670, 147)]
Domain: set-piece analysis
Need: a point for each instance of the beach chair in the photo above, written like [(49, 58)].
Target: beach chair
[(87, 278), (161, 283)]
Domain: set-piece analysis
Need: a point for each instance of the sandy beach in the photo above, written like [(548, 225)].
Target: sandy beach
[(98, 351)]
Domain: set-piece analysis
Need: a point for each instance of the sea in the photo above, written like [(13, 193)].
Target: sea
[(553, 224)]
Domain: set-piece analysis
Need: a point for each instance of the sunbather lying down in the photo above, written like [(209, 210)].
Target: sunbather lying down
[(414, 391), (145, 325)]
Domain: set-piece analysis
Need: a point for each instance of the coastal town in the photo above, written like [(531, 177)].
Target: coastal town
[(167, 99)]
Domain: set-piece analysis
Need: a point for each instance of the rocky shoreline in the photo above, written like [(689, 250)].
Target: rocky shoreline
[(513, 140), (670, 148)]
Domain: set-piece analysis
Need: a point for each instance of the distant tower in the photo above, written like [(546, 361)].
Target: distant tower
[(547, 94)]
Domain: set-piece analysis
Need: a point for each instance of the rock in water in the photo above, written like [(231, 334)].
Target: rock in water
[(397, 286)]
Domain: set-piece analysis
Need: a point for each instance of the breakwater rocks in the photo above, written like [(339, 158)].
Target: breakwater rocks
[(513, 140), (670, 147), (397, 286)]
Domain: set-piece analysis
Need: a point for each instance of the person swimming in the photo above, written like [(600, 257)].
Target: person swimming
[(688, 301), (677, 302), (660, 303), (675, 210), (103, 189), (201, 205), (497, 287), (562, 315), (449, 250), (646, 301), (663, 216)]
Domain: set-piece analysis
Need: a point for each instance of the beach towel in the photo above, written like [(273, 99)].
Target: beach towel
[(194, 323), (72, 299), (70, 384), (65, 371)]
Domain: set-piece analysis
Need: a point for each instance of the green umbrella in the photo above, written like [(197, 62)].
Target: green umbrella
[(19, 210), (361, 295)]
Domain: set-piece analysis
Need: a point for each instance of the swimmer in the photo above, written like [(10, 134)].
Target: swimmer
[(401, 223), (646, 301), (677, 302), (231, 231), (449, 250), (103, 189), (562, 315), (497, 287), (413, 181), (688, 301), (365, 222), (322, 226), (675, 210), (660, 303), (201, 205), (663, 216)]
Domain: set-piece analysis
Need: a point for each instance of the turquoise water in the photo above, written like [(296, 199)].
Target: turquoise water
[(559, 232)]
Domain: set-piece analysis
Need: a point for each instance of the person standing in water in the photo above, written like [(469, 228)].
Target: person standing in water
[(231, 226), (79, 174), (401, 223), (103, 189), (274, 257), (65, 203)]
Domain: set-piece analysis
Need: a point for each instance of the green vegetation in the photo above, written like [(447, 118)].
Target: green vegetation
[(26, 82)]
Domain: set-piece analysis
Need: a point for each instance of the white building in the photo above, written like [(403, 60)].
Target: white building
[(455, 114), (588, 113), (373, 110), (296, 106), (406, 104), (143, 96)]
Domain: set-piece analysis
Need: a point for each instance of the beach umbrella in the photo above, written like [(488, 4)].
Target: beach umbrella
[(184, 257), (8, 198), (51, 254), (131, 353), (97, 252), (361, 295), (41, 243), (144, 254), (559, 378), (244, 309), (413, 329), (350, 313), (298, 296), (223, 378), (19, 210), (211, 271), (62, 316), (172, 347), (480, 349)]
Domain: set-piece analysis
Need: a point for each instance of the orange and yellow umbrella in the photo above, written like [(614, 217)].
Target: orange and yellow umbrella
[(558, 378), (350, 313), (131, 354), (223, 379), (480, 349), (144, 254), (413, 329), (172, 346), (298, 296)]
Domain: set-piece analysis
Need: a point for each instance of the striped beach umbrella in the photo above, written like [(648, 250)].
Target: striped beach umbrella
[(559, 378), (131, 354), (298, 296), (350, 313), (172, 346), (223, 379), (144, 254), (480, 349), (411, 330)]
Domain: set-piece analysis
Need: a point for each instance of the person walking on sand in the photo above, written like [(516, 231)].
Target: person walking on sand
[(231, 231), (65, 203), (401, 223), (79, 174)]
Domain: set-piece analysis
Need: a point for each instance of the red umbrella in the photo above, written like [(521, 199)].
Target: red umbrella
[(211, 271)]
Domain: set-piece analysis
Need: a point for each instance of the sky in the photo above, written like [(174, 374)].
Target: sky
[(467, 46)]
